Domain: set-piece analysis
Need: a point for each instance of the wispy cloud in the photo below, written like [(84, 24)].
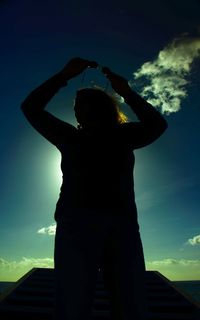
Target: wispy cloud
[(51, 230), (165, 78), (194, 241), (176, 269), (11, 270), (26, 262), (172, 262)]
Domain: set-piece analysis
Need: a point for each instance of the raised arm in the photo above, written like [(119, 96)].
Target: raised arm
[(33, 107), (151, 123)]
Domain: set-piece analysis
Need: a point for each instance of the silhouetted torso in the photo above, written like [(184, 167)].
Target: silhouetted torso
[(97, 165), (97, 171)]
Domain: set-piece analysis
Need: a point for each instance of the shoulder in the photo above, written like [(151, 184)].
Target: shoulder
[(69, 136)]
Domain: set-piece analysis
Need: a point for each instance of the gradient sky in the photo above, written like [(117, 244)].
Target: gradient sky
[(37, 39)]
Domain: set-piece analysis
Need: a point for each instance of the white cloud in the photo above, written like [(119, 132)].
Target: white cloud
[(51, 230), (26, 263), (195, 240), (176, 269), (166, 76), (172, 262), (13, 270)]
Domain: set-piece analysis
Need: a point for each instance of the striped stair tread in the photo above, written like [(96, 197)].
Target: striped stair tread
[(31, 297)]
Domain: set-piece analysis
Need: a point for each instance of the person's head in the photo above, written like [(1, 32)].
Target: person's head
[(95, 108)]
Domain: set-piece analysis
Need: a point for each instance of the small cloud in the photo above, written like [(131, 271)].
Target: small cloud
[(194, 241), (51, 230), (165, 78), (165, 262)]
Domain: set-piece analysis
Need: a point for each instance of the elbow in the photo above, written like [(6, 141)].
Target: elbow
[(26, 107)]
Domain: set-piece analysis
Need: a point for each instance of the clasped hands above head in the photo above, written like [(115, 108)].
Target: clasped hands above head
[(78, 65)]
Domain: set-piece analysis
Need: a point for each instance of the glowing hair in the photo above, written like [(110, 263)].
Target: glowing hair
[(95, 103)]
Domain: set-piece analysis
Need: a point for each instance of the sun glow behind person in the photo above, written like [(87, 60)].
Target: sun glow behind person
[(54, 171)]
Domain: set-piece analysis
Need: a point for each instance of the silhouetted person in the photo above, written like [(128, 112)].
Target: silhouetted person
[(96, 213)]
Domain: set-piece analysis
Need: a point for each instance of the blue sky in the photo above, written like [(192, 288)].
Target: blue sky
[(37, 39)]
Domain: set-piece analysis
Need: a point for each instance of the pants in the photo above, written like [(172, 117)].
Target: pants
[(87, 241)]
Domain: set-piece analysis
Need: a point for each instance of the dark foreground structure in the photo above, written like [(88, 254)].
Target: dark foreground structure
[(31, 297)]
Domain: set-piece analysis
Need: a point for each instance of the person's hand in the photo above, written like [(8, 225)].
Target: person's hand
[(76, 66), (118, 83)]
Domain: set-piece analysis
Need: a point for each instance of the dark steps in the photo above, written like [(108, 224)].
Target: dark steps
[(32, 298)]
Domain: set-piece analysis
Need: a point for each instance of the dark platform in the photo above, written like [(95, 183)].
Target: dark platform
[(31, 297)]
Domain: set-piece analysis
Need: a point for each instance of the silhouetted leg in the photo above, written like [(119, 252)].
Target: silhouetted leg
[(111, 285), (124, 271), (77, 252)]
